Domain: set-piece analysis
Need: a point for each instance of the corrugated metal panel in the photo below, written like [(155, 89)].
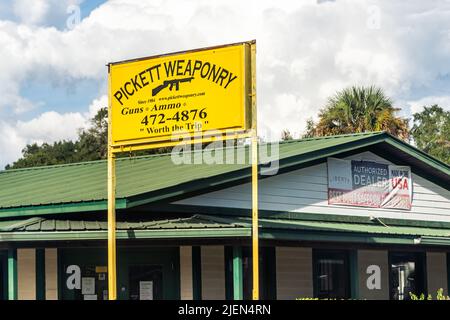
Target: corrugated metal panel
[(86, 181), (38, 225), (329, 226), (352, 227), (62, 225), (204, 221)]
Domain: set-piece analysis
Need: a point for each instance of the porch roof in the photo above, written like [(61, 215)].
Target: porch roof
[(204, 226), (42, 229)]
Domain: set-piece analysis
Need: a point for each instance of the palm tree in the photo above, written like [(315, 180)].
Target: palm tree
[(359, 109)]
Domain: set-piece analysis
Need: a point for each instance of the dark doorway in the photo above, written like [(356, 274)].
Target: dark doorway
[(407, 275)]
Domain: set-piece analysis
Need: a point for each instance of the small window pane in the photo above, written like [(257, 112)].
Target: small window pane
[(331, 278)]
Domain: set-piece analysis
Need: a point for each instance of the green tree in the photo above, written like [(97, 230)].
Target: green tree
[(359, 109), (286, 135), (92, 143), (57, 153), (431, 132)]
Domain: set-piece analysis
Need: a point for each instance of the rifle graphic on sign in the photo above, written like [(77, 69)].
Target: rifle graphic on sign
[(171, 83)]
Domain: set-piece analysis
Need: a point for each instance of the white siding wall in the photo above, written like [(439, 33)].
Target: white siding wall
[(305, 190)]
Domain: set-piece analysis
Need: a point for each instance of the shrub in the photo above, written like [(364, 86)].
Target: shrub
[(439, 296)]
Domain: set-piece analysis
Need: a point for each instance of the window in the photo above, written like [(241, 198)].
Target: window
[(331, 274), (406, 275)]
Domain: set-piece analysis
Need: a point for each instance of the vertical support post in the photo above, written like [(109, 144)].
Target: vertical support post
[(229, 274), (255, 233), (238, 290), (4, 275), (448, 271), (12, 274), (40, 274), (354, 276), (112, 279), (196, 273)]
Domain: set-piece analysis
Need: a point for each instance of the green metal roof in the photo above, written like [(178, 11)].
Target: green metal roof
[(341, 231), (44, 225), (353, 227), (81, 187), (322, 224), (196, 226)]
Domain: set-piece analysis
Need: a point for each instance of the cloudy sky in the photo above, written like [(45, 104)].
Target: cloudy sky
[(53, 55)]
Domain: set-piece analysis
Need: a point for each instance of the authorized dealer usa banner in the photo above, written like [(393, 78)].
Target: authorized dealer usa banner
[(369, 184)]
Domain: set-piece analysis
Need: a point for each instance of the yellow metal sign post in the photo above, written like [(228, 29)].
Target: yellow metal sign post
[(255, 233), (190, 97), (112, 286)]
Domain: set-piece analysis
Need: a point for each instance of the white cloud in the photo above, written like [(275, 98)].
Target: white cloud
[(48, 127), (281, 110), (306, 51), (96, 105), (31, 11), (51, 126), (38, 12), (10, 144), (417, 105)]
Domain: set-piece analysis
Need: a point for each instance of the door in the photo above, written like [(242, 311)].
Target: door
[(148, 273), (407, 275)]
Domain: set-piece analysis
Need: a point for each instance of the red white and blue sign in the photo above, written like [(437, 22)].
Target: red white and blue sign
[(369, 184)]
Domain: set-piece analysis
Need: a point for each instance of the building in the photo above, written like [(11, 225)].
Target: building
[(184, 231)]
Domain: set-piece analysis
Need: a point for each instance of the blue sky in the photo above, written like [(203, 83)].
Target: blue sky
[(53, 74), (62, 97), (56, 18), (48, 94)]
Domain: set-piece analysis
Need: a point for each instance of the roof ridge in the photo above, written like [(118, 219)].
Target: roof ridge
[(189, 151), (432, 158), (335, 136)]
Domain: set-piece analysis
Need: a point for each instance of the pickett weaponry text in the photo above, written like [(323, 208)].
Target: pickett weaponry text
[(175, 68)]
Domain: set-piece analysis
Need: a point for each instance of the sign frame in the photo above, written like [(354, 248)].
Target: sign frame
[(248, 131)]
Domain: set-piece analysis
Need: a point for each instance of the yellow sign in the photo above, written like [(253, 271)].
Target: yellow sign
[(165, 98)]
